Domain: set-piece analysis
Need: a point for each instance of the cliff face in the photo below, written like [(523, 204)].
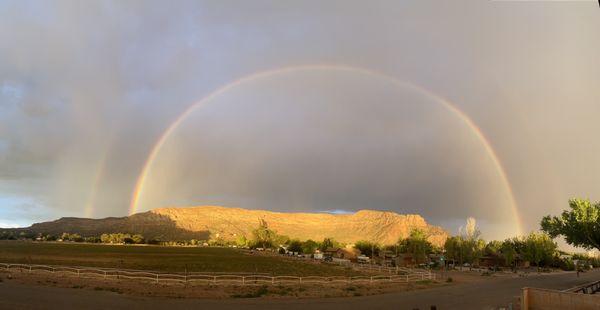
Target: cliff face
[(207, 221)]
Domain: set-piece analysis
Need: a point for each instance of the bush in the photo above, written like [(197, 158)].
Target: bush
[(295, 246)]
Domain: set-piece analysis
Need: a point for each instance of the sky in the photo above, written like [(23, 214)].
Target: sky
[(87, 90)]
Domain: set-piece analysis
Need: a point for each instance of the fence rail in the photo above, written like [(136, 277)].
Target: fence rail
[(588, 288), (231, 279)]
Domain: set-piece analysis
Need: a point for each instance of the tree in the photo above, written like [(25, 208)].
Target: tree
[(137, 239), (494, 249), (539, 248), (309, 246), (263, 235), (471, 246), (241, 241), (327, 243), (508, 251), (580, 226), (452, 246), (71, 237), (367, 248), (295, 246), (416, 245), (471, 230)]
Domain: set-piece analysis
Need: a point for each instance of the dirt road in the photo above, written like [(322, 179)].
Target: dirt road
[(486, 294)]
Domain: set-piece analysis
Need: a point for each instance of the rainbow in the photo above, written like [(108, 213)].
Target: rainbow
[(98, 175), (139, 186)]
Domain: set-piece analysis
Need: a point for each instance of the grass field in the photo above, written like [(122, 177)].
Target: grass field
[(172, 259)]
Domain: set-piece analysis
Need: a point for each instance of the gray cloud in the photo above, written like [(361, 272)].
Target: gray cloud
[(85, 91)]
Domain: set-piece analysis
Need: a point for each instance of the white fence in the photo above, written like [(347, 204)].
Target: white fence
[(191, 278), (388, 270)]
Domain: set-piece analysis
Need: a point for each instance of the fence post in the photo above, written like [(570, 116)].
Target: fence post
[(525, 299), (29, 268), (371, 281), (104, 274), (78, 273), (407, 278), (215, 279), (157, 278), (272, 280), (243, 280)]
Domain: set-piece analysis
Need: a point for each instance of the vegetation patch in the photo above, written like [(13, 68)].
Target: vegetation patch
[(161, 258)]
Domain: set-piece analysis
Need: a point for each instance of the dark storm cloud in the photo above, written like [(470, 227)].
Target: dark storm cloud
[(88, 88)]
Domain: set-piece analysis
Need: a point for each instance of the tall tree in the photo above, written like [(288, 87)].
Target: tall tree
[(539, 248), (309, 246), (416, 245), (367, 248), (295, 246), (327, 243), (452, 246), (509, 252), (494, 249), (263, 235), (580, 226)]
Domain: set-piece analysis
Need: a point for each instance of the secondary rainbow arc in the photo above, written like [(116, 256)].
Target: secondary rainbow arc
[(139, 186)]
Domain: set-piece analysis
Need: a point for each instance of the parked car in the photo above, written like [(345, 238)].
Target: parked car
[(363, 259)]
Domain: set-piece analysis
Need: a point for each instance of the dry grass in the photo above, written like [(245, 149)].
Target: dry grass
[(159, 258)]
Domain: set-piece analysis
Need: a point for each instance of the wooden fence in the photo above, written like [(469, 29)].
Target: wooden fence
[(545, 299), (588, 288), (235, 279)]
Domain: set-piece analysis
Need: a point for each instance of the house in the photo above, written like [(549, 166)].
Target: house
[(333, 252), (344, 253)]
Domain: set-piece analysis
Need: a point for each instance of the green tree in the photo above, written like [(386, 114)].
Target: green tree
[(295, 246), (580, 226), (71, 237), (539, 248), (309, 246), (508, 251), (241, 241), (367, 248), (494, 249), (416, 245), (262, 235), (137, 239), (327, 243), (470, 245), (452, 247)]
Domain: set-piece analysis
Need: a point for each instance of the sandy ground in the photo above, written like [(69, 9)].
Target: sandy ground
[(467, 291)]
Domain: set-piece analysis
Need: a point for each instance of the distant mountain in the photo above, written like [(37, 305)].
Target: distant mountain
[(210, 222)]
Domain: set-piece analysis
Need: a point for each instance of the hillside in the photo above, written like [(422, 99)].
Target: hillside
[(212, 221)]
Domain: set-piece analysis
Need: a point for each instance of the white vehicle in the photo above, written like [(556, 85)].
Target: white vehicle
[(362, 259)]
